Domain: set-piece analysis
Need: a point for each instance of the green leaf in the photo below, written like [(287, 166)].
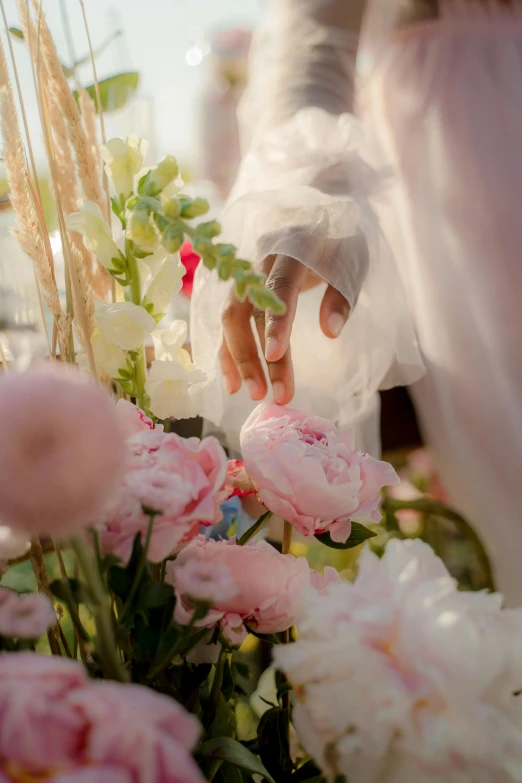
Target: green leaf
[(274, 743), (227, 773), (115, 91), (222, 720), (17, 33), (358, 536), (254, 529), (77, 588), (226, 749), (154, 595)]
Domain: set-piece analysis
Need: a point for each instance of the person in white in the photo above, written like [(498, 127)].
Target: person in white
[(425, 160)]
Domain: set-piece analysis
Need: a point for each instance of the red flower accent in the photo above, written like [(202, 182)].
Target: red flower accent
[(237, 482), (190, 261)]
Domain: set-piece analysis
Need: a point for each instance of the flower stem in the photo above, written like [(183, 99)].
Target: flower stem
[(140, 367), (139, 571), (285, 550), (107, 651), (42, 581)]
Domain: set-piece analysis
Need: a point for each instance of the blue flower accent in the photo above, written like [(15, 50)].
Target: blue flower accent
[(232, 510)]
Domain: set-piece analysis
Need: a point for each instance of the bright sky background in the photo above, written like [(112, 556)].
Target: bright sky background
[(157, 36)]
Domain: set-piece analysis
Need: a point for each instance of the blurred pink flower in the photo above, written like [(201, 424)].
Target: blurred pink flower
[(60, 727), (25, 616), (180, 478), (132, 419), (269, 586), (308, 471), (61, 451)]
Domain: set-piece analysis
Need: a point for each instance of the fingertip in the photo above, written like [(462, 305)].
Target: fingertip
[(335, 324), (272, 349)]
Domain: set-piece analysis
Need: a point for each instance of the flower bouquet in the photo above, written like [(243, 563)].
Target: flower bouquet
[(133, 662)]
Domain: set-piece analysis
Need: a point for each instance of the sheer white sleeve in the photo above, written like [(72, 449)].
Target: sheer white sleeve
[(305, 189)]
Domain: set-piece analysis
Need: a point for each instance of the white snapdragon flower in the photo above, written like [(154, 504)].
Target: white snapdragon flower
[(107, 357), (169, 388), (401, 677), (165, 285), (97, 234), (125, 324), (123, 161), (168, 343)]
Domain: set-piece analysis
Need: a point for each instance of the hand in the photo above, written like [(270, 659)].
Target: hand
[(239, 356)]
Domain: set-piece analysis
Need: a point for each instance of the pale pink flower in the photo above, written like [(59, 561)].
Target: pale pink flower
[(268, 585), (58, 726), (132, 418), (401, 678), (237, 483), (309, 472), (61, 451), (181, 479), (205, 582), (25, 616)]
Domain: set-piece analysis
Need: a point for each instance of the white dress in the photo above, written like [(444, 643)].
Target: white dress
[(431, 168)]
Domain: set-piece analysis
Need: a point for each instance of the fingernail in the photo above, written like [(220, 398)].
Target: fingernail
[(253, 388), (271, 347), (227, 382), (278, 389), (335, 324)]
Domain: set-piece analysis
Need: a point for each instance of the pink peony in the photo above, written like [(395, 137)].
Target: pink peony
[(132, 419), (308, 471), (60, 727), (198, 581), (268, 585), (25, 616), (61, 451), (180, 478)]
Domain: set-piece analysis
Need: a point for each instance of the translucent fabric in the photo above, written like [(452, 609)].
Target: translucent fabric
[(440, 106), (304, 190), (445, 101)]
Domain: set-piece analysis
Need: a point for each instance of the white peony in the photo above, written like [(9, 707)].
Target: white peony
[(401, 678), (13, 544), (123, 160), (169, 388), (97, 235), (123, 323), (166, 284)]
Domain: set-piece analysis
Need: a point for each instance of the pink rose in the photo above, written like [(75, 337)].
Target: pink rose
[(58, 726), (308, 471), (25, 616), (180, 478), (61, 451), (268, 586)]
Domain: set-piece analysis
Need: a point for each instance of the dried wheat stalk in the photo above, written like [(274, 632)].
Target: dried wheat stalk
[(29, 227), (60, 92)]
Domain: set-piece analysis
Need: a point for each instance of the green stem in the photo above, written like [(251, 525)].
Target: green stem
[(254, 529), (432, 508), (107, 651), (217, 682), (139, 571), (163, 571), (140, 366)]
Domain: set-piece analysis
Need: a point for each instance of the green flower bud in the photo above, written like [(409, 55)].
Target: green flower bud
[(172, 239), (171, 207), (210, 230), (141, 230), (191, 208), (158, 178)]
